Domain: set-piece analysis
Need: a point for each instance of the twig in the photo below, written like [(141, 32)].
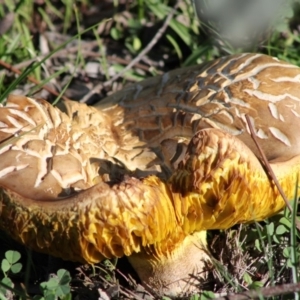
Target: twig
[(151, 44), (265, 292), (30, 78), (269, 169), (85, 52)]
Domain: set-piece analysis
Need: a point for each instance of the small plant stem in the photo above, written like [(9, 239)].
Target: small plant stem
[(293, 237), (269, 170)]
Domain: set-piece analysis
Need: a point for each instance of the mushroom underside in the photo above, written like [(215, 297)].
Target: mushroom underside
[(159, 225)]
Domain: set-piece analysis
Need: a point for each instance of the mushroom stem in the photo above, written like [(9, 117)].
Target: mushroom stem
[(177, 273)]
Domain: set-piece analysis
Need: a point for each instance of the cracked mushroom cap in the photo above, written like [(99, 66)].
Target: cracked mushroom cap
[(149, 169)]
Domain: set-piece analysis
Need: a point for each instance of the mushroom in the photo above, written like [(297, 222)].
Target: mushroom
[(148, 170)]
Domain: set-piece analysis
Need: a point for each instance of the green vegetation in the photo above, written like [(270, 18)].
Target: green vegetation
[(57, 286), (77, 49)]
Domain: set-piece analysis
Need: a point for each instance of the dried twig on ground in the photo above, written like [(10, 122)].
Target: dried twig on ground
[(85, 51), (265, 292)]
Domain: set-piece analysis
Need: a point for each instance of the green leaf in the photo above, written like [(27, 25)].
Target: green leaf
[(270, 228), (255, 285), (109, 265), (247, 278), (62, 290), (195, 57), (51, 284), (286, 222), (57, 286), (5, 265), (68, 297), (134, 25), (12, 256), (2, 296), (182, 31), (137, 44), (50, 297), (7, 281), (286, 252), (257, 245), (115, 33), (281, 229), (206, 295), (159, 10), (16, 268), (276, 240), (175, 45), (64, 276)]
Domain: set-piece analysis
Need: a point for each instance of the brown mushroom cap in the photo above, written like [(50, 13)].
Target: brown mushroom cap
[(90, 183), (217, 94)]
